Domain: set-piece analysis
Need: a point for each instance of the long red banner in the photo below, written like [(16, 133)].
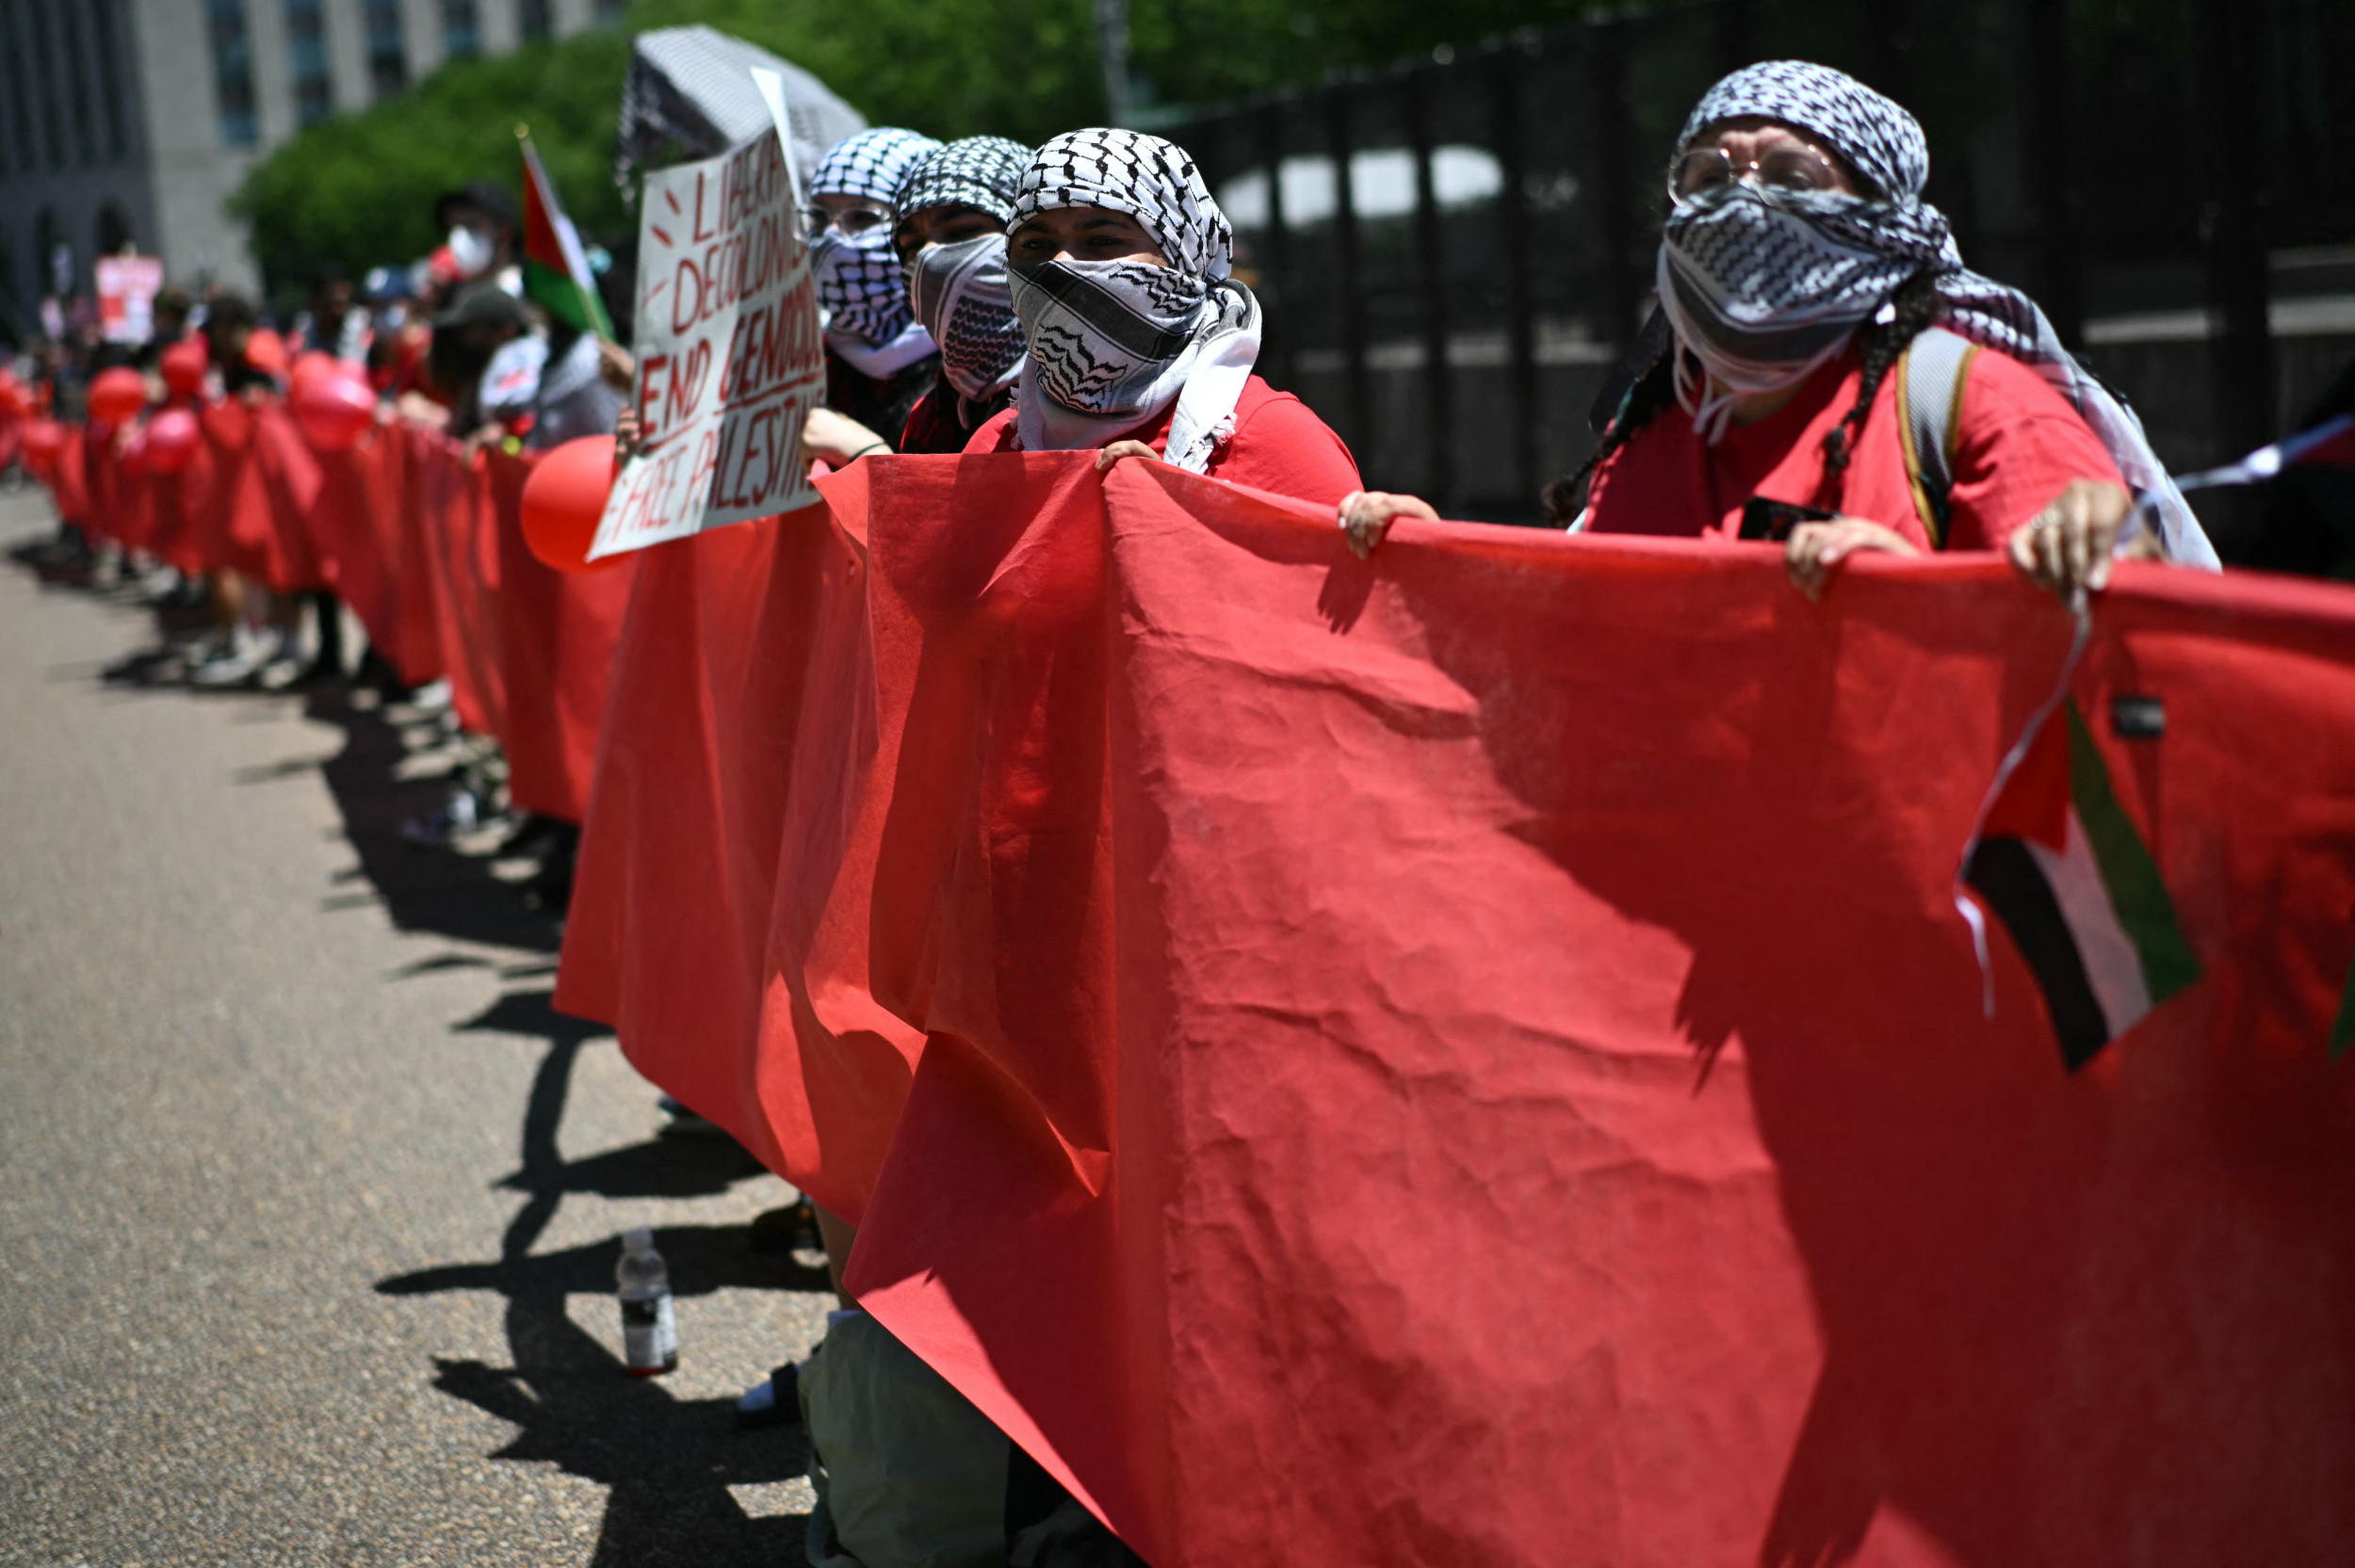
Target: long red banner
[(1476, 1057)]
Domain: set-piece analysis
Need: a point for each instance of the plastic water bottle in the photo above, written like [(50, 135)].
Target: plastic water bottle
[(649, 1326)]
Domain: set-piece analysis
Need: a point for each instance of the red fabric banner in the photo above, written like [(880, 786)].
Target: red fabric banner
[(448, 520), (557, 631), (1474, 1058)]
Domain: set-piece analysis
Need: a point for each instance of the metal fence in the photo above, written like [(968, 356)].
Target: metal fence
[(1454, 253)]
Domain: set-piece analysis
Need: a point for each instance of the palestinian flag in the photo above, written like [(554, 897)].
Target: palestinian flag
[(2063, 866), (556, 269)]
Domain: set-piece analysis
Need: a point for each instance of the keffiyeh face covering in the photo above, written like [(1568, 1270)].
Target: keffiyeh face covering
[(961, 293), (963, 298), (858, 278), (1113, 343), (1762, 287)]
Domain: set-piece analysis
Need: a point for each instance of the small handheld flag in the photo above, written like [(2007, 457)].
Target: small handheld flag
[(2329, 444), (2058, 861), (556, 268)]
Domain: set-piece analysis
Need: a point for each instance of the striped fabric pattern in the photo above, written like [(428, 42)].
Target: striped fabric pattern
[(2063, 866)]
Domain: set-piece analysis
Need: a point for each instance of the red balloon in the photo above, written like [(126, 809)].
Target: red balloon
[(183, 365), (309, 365), (117, 395), (334, 410), (45, 438), (15, 401), (562, 501), (265, 351), (171, 438)]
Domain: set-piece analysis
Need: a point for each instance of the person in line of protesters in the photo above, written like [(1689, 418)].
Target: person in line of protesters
[(1796, 264), (1111, 228), (232, 648), (1114, 228), (333, 323), (473, 370), (948, 228), (879, 358), (479, 222)]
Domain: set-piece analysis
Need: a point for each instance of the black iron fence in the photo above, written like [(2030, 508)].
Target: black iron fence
[(1453, 254)]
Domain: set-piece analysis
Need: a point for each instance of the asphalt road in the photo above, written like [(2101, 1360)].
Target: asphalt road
[(309, 1202)]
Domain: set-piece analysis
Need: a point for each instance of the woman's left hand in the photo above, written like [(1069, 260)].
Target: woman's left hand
[(1119, 449), (1815, 548)]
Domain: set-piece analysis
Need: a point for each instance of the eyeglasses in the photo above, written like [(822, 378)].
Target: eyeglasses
[(1784, 167), (852, 222)]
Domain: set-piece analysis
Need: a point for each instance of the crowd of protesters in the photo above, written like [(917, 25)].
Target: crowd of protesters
[(1823, 373)]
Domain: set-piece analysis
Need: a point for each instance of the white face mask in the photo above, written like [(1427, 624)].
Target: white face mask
[(472, 250)]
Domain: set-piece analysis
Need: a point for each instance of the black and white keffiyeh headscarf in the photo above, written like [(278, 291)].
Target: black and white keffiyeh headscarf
[(981, 172), (1112, 344), (1762, 287), (961, 291), (858, 278)]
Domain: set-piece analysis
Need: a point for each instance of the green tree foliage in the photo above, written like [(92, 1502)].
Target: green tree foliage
[(358, 189)]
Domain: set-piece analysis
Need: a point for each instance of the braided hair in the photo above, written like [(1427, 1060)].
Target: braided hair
[(1565, 498), (1912, 310)]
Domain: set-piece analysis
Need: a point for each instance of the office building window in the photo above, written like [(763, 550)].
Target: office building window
[(306, 60), (388, 54), (462, 29), (110, 80), (533, 19), (46, 72), (20, 95), (75, 69), (233, 71)]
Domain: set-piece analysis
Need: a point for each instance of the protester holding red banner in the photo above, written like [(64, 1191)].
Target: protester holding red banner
[(879, 359), (950, 234), (1139, 341), (1798, 268)]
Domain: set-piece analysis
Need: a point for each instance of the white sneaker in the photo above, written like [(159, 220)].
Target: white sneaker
[(232, 665)]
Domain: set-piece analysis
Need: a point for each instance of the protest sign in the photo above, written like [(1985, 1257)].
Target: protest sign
[(127, 286), (729, 356)]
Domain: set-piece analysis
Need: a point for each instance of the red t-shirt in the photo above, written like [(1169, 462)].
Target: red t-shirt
[(1279, 445), (2018, 443)]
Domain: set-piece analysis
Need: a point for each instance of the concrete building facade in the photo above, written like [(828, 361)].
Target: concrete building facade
[(131, 122)]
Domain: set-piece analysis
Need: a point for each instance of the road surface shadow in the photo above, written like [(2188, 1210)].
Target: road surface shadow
[(667, 1463)]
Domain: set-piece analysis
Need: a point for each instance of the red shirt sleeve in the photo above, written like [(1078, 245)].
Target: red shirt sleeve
[(1280, 446), (2018, 443)]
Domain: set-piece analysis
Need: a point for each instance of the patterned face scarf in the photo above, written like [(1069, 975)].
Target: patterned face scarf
[(1112, 344), (1762, 287), (858, 278), (959, 291), (963, 298)]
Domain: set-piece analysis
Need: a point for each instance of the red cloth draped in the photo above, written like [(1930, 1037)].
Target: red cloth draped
[(447, 512), (557, 631), (355, 524), (68, 480), (1474, 1058)]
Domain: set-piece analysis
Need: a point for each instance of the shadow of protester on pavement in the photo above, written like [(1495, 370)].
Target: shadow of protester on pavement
[(668, 1464)]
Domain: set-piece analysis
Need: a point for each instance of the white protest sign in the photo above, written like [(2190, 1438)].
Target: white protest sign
[(127, 286), (729, 356)]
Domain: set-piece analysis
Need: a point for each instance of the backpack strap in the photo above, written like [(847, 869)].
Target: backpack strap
[(1931, 376)]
